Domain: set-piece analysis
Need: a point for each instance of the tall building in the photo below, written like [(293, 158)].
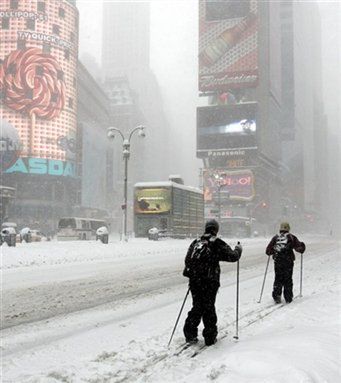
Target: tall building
[(126, 39), (38, 103), (331, 48), (125, 54), (95, 152), (239, 133), (308, 136)]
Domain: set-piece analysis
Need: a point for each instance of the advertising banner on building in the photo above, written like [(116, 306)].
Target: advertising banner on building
[(237, 185), (228, 46), (225, 127), (152, 201), (232, 158), (38, 87)]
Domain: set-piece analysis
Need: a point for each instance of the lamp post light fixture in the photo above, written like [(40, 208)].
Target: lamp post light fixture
[(126, 155), (219, 183)]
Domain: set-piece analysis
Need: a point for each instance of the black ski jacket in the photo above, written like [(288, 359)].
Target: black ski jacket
[(293, 244), (221, 251)]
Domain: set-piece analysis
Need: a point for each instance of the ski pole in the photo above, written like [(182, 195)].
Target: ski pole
[(301, 275), (237, 302), (177, 320), (266, 270)]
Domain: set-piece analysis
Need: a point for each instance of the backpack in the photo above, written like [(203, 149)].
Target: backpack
[(283, 246), (199, 263)]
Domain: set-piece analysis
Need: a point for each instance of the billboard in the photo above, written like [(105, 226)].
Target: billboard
[(38, 86), (152, 201), (228, 46), (237, 185), (226, 127)]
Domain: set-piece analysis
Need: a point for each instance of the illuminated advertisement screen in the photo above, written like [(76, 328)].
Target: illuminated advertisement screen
[(228, 46), (235, 185), (152, 201), (223, 127), (38, 87)]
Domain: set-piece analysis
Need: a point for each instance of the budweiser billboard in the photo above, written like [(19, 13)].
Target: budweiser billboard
[(38, 88), (237, 185), (228, 46)]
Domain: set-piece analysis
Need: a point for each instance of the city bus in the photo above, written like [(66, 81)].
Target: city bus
[(75, 228), (175, 209)]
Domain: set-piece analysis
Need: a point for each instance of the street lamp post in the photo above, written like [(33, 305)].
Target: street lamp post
[(219, 184), (126, 155)]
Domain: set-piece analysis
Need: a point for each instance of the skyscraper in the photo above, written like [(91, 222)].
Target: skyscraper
[(125, 37), (126, 54)]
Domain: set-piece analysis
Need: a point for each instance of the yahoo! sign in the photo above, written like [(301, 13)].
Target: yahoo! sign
[(233, 185), (42, 166)]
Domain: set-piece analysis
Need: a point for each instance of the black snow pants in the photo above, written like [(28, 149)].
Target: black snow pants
[(203, 295), (283, 279)]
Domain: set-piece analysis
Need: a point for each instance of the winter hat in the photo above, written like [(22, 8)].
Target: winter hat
[(211, 225), (284, 226)]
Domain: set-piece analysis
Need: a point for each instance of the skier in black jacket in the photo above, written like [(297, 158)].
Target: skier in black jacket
[(281, 248), (204, 281)]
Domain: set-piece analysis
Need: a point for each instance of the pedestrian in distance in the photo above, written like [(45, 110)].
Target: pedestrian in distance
[(282, 247), (203, 270)]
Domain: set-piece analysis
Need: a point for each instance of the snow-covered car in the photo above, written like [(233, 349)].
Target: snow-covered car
[(13, 226), (25, 234), (102, 234), (8, 235), (37, 236), (154, 233)]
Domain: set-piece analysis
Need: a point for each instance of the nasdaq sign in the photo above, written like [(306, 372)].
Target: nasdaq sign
[(42, 166)]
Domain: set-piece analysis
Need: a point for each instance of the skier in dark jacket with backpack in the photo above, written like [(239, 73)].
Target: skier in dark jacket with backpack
[(282, 247), (203, 270)]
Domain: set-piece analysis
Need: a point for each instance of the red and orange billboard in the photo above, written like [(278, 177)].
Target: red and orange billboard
[(228, 46), (38, 87), (236, 185)]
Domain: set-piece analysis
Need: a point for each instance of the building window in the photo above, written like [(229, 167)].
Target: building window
[(61, 13), (30, 24), (70, 103), (74, 82), (21, 44), (67, 54), (5, 23), (41, 6), (60, 75), (14, 4), (46, 49), (72, 37), (55, 29)]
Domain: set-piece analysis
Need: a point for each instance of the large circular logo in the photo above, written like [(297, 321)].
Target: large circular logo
[(33, 83), (10, 145)]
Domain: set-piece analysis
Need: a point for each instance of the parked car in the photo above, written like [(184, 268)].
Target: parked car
[(102, 234), (25, 234), (37, 236), (8, 235), (154, 233), (13, 226)]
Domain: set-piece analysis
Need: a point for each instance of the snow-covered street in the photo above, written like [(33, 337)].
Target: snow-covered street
[(88, 312)]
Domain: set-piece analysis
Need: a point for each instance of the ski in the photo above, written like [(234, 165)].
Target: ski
[(259, 317), (184, 347)]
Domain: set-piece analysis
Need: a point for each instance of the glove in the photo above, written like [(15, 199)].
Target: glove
[(302, 248), (239, 248)]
